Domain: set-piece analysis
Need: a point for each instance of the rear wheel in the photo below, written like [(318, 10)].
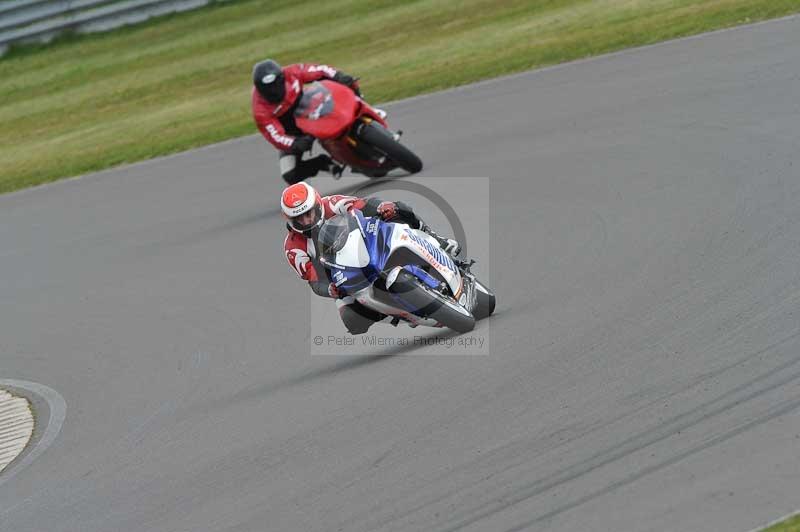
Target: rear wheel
[(382, 139), (428, 303)]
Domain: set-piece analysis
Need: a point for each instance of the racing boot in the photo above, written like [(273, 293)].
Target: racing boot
[(449, 245), (332, 167), (336, 171)]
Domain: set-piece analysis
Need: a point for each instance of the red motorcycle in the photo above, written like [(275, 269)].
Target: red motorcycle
[(352, 131)]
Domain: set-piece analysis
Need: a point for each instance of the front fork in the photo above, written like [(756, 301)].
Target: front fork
[(363, 149)]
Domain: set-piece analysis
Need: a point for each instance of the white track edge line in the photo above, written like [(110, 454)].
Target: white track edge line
[(775, 522)]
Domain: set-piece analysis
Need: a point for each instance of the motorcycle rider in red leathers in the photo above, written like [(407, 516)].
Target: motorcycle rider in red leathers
[(276, 92), (305, 211)]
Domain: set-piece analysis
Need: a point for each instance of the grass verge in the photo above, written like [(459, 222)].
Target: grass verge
[(791, 524), (96, 101)]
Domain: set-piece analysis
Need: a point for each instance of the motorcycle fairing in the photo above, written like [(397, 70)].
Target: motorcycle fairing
[(383, 239), (326, 110), (360, 261), (370, 244), (428, 250), (422, 275)]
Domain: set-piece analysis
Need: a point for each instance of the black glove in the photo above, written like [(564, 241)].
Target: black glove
[(302, 144), (344, 79), (350, 81)]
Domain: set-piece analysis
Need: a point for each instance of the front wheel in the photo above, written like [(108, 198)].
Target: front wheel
[(382, 139), (484, 301), (428, 303)]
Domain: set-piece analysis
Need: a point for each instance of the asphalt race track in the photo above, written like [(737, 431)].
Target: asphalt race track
[(644, 367)]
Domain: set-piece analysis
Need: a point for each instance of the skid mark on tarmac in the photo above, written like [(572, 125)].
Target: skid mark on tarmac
[(675, 425)]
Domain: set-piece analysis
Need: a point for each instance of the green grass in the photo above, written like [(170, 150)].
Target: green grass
[(792, 524), (91, 102)]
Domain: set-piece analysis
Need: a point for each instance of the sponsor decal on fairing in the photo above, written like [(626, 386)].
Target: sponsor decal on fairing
[(433, 251)]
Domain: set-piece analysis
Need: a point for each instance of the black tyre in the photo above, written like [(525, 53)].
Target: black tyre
[(484, 301), (382, 139), (428, 303)]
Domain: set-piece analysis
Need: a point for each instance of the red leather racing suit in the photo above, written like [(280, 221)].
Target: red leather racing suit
[(275, 122), (301, 250)]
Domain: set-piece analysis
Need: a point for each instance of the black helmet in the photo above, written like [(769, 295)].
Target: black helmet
[(268, 79)]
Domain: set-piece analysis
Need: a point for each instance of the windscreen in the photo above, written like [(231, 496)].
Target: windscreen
[(340, 242), (315, 103)]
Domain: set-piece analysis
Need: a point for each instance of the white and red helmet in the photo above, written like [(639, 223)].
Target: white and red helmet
[(296, 201)]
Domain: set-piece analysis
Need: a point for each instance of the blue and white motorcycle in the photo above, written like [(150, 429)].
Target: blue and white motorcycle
[(402, 273)]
